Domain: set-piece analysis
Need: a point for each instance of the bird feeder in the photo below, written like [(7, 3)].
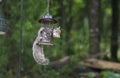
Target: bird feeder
[(47, 23), (3, 26)]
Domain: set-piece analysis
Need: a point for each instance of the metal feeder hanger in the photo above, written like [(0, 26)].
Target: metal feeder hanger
[(47, 23), (47, 20)]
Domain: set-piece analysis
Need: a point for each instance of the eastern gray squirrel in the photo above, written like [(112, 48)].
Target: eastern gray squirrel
[(44, 35)]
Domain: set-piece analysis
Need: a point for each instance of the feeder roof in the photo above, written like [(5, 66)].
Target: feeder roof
[(47, 19)]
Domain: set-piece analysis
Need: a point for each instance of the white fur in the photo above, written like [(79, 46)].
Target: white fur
[(56, 32)]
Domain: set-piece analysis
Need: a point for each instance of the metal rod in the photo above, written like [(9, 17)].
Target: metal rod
[(21, 25)]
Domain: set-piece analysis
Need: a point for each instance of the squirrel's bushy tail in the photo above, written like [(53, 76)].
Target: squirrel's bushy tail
[(38, 54)]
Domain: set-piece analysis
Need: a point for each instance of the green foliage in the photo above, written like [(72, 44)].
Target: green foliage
[(110, 74)]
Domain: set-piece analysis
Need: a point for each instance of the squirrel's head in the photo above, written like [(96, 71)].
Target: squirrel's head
[(56, 32)]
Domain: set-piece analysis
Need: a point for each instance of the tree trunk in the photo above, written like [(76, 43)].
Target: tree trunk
[(114, 29), (65, 12), (61, 12), (94, 27), (68, 27)]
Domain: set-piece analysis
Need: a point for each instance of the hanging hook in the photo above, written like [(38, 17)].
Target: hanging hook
[(48, 6)]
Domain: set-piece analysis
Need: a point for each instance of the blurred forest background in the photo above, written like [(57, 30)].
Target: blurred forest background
[(89, 27)]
